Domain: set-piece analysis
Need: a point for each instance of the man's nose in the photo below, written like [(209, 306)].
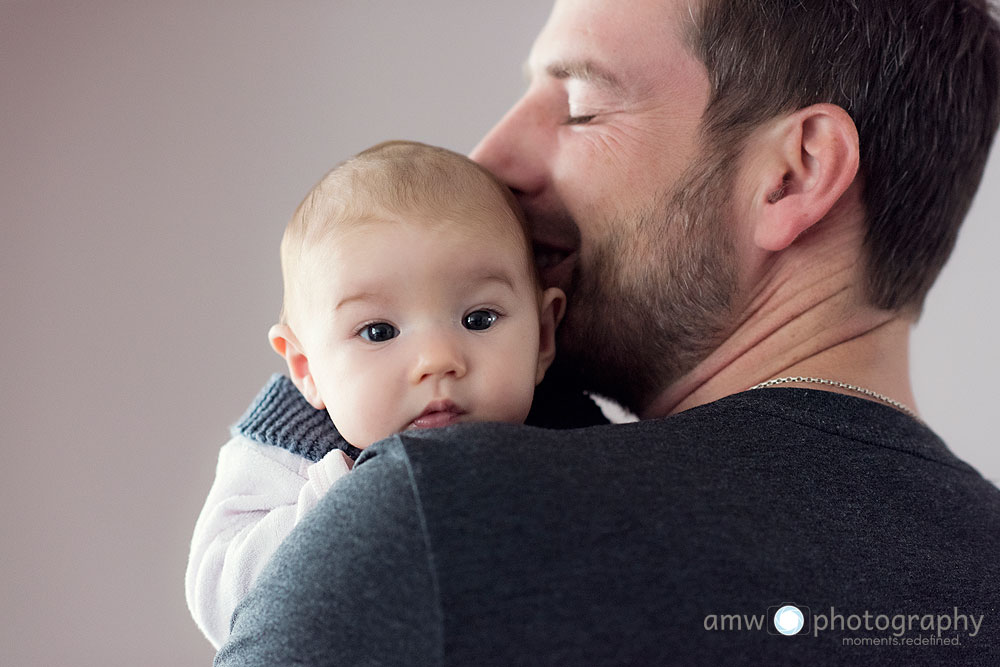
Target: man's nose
[(515, 149), (439, 356)]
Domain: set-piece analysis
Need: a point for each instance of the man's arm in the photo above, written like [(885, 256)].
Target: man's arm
[(352, 584)]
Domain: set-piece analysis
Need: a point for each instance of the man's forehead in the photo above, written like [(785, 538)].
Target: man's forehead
[(640, 10), (604, 41)]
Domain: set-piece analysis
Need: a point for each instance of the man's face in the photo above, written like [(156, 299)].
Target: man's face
[(414, 324), (604, 154)]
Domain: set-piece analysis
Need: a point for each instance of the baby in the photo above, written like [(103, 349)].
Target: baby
[(411, 301)]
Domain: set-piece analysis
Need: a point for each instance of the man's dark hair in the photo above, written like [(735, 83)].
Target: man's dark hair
[(920, 78)]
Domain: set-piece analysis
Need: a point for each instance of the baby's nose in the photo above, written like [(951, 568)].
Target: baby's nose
[(439, 355)]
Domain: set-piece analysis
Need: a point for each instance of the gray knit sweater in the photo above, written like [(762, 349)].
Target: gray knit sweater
[(664, 542)]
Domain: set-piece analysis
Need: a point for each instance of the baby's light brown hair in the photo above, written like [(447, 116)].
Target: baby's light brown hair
[(396, 178)]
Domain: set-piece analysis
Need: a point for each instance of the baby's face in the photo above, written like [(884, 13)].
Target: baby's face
[(418, 326)]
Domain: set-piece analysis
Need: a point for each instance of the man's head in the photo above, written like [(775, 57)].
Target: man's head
[(629, 154), (411, 299)]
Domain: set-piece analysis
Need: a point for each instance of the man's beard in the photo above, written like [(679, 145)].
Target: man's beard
[(653, 297)]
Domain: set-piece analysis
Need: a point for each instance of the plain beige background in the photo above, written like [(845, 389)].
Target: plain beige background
[(151, 154)]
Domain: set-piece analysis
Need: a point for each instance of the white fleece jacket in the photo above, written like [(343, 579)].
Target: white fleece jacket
[(260, 492)]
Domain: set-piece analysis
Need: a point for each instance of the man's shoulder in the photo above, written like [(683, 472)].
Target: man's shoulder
[(726, 509), (838, 465), (621, 543), (790, 429)]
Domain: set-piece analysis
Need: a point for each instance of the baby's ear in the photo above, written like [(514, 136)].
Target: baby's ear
[(287, 346), (550, 313)]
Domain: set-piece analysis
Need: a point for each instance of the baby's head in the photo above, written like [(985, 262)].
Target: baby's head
[(411, 299)]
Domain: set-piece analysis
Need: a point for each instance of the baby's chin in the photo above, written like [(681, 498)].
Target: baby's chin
[(437, 419), (432, 420), (425, 422)]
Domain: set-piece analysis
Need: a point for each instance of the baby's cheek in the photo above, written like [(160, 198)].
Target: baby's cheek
[(514, 398), (345, 426), (362, 422), (345, 417)]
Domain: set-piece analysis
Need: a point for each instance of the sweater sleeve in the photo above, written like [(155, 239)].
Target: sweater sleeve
[(353, 584), (282, 417), (260, 492)]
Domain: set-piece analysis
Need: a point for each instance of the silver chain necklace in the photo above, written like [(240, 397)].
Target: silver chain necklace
[(842, 385)]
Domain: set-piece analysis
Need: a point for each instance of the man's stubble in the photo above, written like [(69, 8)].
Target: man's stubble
[(653, 297)]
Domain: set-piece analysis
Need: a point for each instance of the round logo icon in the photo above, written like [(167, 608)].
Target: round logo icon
[(788, 620)]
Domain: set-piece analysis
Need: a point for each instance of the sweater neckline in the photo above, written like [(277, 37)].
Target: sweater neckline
[(850, 417)]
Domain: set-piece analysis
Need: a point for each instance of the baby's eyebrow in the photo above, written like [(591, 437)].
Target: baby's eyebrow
[(360, 296), (489, 276), (495, 277)]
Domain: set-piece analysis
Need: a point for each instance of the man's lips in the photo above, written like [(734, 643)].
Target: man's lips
[(438, 413)]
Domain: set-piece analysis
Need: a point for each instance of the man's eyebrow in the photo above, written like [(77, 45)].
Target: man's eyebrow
[(584, 70)]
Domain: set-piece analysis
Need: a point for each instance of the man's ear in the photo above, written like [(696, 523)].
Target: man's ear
[(807, 161), (553, 307), (287, 346)]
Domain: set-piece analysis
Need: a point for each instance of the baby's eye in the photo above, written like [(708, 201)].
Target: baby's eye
[(378, 332), (479, 320)]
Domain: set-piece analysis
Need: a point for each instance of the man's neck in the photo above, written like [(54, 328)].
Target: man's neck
[(804, 320)]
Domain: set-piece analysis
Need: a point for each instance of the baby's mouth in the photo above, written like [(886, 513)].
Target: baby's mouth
[(436, 414)]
